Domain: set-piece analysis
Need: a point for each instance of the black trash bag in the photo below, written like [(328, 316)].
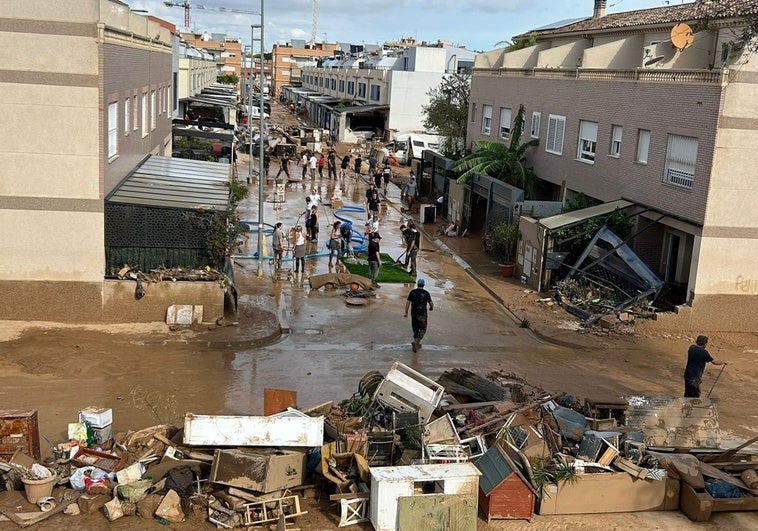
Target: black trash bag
[(181, 480)]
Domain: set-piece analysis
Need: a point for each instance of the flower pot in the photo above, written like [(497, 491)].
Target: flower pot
[(39, 488), (507, 269)]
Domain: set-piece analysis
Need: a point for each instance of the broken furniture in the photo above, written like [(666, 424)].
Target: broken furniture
[(437, 511), (19, 430), (675, 422), (286, 508), (406, 390), (220, 430), (262, 470), (390, 483), (504, 493)]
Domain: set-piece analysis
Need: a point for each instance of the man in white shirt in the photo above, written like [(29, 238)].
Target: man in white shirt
[(312, 164), (315, 198)]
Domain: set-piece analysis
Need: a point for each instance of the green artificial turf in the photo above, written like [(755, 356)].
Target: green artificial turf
[(388, 272)]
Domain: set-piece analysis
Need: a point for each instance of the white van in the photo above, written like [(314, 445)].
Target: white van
[(408, 146)]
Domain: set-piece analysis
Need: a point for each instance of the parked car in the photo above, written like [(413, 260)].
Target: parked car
[(362, 133)]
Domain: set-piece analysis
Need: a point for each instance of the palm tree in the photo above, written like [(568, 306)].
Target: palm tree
[(504, 162)]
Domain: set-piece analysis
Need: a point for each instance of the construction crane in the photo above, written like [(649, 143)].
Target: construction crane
[(187, 6)]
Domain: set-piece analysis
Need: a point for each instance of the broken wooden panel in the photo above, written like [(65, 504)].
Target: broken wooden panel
[(437, 511), (220, 430), (353, 511), (675, 422), (278, 400), (264, 470), (441, 431)]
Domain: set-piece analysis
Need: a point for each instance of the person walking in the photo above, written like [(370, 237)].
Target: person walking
[(413, 243), (374, 258), (304, 163), (418, 299), (386, 176), (331, 164), (410, 192), (346, 232), (343, 165), (335, 242), (697, 357), (321, 164), (372, 163), (298, 240), (358, 163), (284, 166), (312, 165), (373, 205), (314, 224), (277, 242)]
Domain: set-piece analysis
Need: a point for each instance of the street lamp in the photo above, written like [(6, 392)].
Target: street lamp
[(261, 176)]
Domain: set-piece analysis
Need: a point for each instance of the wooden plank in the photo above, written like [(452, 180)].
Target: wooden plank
[(220, 430), (350, 495), (278, 400)]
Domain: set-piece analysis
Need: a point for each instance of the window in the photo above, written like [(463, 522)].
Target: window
[(152, 110), (587, 141), (144, 114), (643, 145), (334, 84), (127, 114), (135, 113), (342, 85), (616, 133), (375, 92), (681, 156), (361, 90), (486, 119), (505, 122), (473, 112), (112, 129), (555, 126), (536, 119), (351, 87)]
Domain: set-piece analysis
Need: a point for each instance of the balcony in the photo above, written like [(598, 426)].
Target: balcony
[(693, 77)]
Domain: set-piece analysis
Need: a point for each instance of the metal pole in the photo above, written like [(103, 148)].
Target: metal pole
[(250, 109), (261, 176), (716, 380)]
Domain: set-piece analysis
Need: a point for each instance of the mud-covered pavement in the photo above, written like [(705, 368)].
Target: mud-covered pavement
[(151, 375)]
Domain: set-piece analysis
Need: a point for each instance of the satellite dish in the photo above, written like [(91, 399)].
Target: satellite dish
[(681, 36)]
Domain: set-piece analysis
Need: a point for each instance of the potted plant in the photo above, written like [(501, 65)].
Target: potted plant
[(504, 237)]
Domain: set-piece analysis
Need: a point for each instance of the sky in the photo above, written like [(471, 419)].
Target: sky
[(476, 24)]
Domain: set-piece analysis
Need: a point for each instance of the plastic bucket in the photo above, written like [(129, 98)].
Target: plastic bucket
[(39, 488)]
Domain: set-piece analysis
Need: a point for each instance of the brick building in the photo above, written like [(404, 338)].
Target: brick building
[(637, 106)]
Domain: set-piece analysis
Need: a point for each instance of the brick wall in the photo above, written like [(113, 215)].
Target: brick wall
[(662, 108)]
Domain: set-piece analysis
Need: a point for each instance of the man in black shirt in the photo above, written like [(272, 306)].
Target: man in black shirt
[(417, 300), (697, 357), (374, 258)]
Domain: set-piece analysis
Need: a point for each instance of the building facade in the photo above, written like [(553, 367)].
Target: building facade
[(88, 99), (288, 61), (656, 107)]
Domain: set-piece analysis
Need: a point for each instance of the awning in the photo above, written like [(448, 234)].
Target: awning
[(360, 109), (175, 183), (210, 100), (562, 221)]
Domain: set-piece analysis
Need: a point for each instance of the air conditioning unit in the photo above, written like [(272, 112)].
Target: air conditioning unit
[(427, 213)]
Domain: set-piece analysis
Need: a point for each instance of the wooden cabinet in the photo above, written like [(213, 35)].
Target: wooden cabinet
[(19, 430)]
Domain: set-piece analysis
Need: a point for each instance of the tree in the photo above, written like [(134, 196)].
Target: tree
[(228, 79), (504, 162), (447, 112)]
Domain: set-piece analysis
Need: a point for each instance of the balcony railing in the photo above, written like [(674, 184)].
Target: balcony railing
[(706, 77)]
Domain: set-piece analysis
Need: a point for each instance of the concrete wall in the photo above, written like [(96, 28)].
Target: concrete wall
[(424, 59), (565, 56), (119, 304), (619, 54)]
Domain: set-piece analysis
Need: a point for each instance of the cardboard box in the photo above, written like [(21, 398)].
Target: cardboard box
[(102, 460), (98, 417), (262, 470), (102, 435), (89, 503), (612, 492)]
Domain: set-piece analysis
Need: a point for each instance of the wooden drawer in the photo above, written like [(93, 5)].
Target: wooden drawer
[(19, 430)]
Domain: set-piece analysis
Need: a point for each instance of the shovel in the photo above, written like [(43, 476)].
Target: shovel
[(716, 380), (397, 260)]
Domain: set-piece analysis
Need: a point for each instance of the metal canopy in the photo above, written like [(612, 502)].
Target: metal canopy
[(168, 182), (359, 109), (562, 221), (211, 100)]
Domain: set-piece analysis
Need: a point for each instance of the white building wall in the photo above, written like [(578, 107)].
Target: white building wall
[(408, 93)]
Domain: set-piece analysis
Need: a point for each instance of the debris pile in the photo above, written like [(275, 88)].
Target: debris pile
[(402, 449)]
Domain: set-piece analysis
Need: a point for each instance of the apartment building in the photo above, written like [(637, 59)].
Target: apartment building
[(655, 107), (288, 61), (87, 100), (385, 90), (227, 51)]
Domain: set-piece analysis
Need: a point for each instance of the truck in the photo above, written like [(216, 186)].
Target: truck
[(406, 146)]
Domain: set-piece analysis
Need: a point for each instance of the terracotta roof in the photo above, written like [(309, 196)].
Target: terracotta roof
[(711, 9)]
